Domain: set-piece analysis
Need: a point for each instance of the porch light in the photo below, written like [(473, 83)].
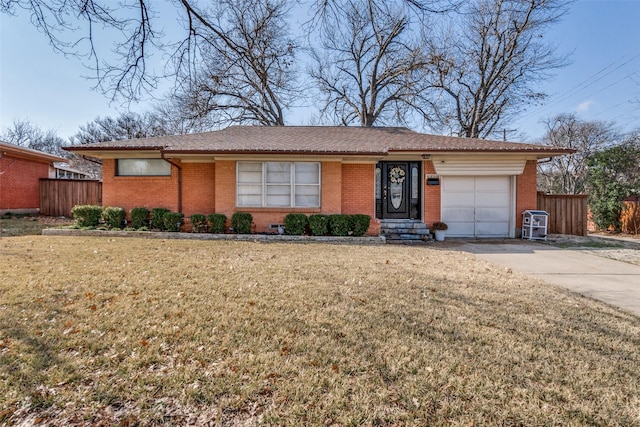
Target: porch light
[(426, 156)]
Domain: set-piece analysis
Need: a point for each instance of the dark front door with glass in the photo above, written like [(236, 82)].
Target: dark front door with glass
[(398, 190)]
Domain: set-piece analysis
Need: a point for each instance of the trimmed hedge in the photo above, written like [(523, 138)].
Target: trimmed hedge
[(339, 224), (139, 217), (198, 223), (157, 218), (241, 222), (295, 224), (319, 224), (217, 223), (87, 215), (173, 221), (113, 217), (360, 224)]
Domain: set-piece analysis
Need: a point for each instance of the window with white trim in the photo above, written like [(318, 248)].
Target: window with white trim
[(278, 184), (142, 167)]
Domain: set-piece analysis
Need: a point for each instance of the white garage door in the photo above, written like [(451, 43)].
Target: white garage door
[(477, 206)]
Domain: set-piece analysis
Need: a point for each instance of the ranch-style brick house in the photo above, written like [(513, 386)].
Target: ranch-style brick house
[(20, 172), (478, 187)]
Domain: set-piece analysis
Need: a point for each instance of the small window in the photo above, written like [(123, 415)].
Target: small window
[(142, 167)]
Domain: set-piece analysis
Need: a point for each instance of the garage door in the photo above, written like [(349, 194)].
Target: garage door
[(477, 206)]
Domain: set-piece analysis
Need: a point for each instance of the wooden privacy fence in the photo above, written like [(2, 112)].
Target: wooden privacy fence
[(630, 217), (567, 213), (58, 196)]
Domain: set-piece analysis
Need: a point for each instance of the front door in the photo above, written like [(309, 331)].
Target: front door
[(397, 190)]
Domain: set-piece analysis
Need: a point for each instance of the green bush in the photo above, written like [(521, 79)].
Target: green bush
[(295, 224), (157, 218), (198, 223), (139, 217), (113, 217), (217, 223), (360, 224), (319, 224), (241, 222), (173, 221), (87, 215), (339, 224)]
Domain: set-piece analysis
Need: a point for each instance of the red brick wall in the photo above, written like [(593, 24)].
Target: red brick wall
[(198, 189), (20, 183), (138, 191), (526, 191), (358, 192), (431, 196)]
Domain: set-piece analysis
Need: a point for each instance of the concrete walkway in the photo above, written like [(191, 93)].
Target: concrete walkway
[(612, 281)]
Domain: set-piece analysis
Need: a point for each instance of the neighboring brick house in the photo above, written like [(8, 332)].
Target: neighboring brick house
[(478, 187), (20, 172)]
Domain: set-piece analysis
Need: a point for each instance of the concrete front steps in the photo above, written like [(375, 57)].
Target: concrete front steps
[(404, 230)]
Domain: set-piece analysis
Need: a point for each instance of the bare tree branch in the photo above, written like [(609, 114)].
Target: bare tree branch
[(489, 63), (369, 70)]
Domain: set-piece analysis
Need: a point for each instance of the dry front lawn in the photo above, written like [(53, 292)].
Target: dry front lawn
[(116, 331)]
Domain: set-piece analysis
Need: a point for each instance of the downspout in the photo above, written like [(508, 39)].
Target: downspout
[(179, 178)]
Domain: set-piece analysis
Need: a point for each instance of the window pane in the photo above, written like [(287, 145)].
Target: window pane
[(307, 195), (278, 173), (414, 182), (249, 172), (307, 201), (249, 200), (378, 178), (143, 167), (278, 195), (307, 173)]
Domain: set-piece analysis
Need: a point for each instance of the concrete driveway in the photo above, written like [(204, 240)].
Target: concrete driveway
[(581, 270)]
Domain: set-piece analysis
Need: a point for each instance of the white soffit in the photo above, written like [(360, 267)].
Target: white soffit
[(479, 167)]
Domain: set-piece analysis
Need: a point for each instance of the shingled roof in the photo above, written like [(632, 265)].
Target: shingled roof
[(315, 140)]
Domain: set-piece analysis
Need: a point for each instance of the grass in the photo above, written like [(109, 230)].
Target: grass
[(28, 225), (116, 331)]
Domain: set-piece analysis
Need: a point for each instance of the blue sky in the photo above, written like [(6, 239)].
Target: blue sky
[(601, 83)]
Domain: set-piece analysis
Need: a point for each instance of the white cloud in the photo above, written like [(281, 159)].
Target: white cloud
[(585, 106)]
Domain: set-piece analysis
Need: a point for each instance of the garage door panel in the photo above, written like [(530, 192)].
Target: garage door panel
[(498, 200), (495, 184), (492, 214), (458, 215), (492, 229), (458, 183), (458, 199), (461, 229)]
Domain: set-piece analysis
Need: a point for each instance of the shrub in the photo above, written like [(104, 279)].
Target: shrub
[(139, 217), (86, 215), (439, 226), (360, 224), (339, 224), (173, 221), (113, 217), (295, 224), (157, 218), (217, 223), (319, 224), (198, 223), (241, 222)]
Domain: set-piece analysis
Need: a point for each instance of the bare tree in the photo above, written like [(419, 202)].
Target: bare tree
[(125, 126), (28, 135), (488, 63), (370, 70), (247, 73), (568, 174)]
